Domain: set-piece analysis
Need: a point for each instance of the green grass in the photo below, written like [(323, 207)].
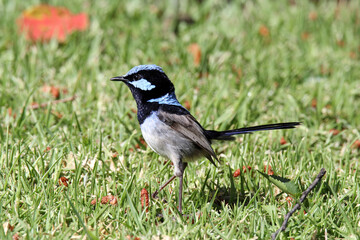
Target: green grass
[(281, 75)]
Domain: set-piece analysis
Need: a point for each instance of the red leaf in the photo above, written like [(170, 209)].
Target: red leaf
[(144, 199), (283, 141), (356, 144), (64, 181), (334, 132), (44, 22), (195, 51), (264, 31), (313, 16), (268, 169)]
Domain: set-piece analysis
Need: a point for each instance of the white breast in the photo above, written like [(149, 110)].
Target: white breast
[(167, 142)]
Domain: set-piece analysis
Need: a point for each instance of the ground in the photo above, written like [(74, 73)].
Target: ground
[(233, 64)]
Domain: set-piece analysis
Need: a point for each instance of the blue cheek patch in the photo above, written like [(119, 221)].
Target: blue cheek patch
[(143, 84), (169, 99)]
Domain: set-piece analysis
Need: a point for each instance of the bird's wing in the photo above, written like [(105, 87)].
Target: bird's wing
[(187, 125)]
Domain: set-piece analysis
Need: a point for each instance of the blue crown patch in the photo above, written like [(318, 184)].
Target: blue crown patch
[(139, 68)]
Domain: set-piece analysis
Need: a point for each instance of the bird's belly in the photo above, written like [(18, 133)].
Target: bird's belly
[(168, 142)]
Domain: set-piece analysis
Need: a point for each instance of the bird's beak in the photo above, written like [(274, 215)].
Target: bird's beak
[(119, 78)]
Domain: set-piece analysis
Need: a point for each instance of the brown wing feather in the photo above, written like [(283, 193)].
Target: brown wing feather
[(191, 129)]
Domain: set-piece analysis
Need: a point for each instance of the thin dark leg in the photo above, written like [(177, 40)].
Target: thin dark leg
[(181, 177), (180, 192), (163, 186)]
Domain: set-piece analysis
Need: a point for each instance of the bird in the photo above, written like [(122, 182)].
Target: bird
[(169, 128)]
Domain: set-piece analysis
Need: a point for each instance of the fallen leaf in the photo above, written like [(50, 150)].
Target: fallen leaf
[(305, 36), (47, 149), (334, 132), (195, 51), (313, 103), (115, 155), (340, 43), (236, 173), (353, 55), (93, 202), (238, 71), (283, 141), (109, 199), (264, 31), (44, 22), (289, 200), (113, 201), (55, 92), (187, 105), (268, 169), (16, 236), (244, 168), (313, 15), (144, 199), (356, 144), (63, 181)]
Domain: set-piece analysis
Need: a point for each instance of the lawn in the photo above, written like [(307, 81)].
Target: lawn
[(233, 64)]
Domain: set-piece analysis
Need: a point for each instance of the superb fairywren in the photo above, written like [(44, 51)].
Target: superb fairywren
[(168, 128)]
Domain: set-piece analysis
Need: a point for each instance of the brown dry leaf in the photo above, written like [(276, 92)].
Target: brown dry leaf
[(16, 236), (63, 181), (264, 31), (305, 36), (55, 92), (144, 199), (356, 144), (113, 201), (7, 227), (340, 43), (238, 71), (236, 173), (195, 51), (93, 202), (313, 15), (313, 103), (46, 88), (187, 104), (283, 141), (352, 55), (289, 200), (47, 149), (268, 169), (109, 199), (244, 169), (334, 132)]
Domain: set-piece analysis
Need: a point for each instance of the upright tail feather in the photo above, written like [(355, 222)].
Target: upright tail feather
[(227, 135)]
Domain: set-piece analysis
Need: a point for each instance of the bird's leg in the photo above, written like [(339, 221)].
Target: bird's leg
[(181, 185), (163, 186)]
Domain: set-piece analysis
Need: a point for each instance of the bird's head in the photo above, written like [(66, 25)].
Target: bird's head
[(146, 82)]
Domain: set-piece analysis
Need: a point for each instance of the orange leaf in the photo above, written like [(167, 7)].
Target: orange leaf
[(187, 105), (334, 132), (55, 92), (144, 199), (45, 22), (313, 16), (195, 51), (313, 103), (264, 31), (269, 170), (356, 144), (64, 181), (305, 35), (283, 141), (236, 173)]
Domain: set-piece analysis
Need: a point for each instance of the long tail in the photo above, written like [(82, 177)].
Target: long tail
[(227, 135)]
